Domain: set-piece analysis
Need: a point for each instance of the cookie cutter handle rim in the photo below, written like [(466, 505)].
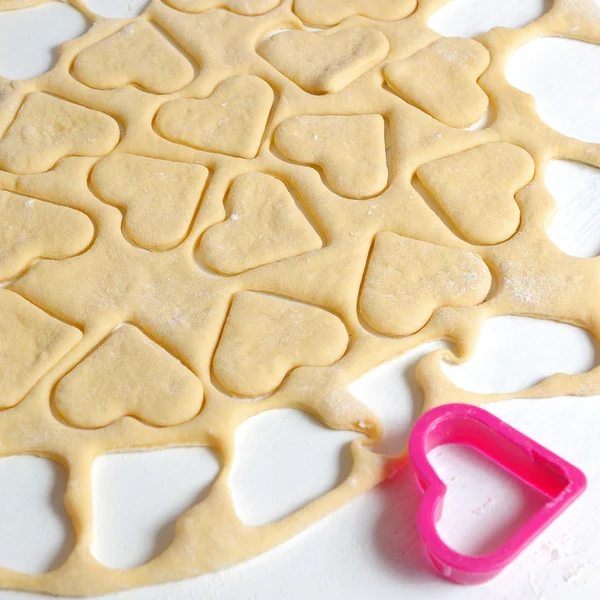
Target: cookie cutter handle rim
[(555, 478)]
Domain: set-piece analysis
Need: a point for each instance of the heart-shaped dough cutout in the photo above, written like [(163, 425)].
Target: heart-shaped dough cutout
[(323, 64), (264, 225), (349, 150), (230, 121), (47, 129), (123, 59), (129, 374), (442, 80), (31, 343), (407, 280), (323, 14), (241, 7), (266, 336), (159, 196), (34, 229), (476, 189)]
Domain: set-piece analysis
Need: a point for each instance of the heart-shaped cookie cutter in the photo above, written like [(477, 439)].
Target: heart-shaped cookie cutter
[(552, 476)]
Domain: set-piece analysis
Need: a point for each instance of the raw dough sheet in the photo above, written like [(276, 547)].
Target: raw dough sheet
[(215, 210)]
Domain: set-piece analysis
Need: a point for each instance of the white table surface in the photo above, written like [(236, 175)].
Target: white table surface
[(368, 549)]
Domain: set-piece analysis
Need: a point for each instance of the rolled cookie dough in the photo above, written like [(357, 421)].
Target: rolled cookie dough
[(209, 204)]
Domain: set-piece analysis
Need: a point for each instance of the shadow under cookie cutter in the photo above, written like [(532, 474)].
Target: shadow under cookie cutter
[(557, 480)]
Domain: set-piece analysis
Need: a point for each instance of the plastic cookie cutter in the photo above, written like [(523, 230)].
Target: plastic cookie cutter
[(559, 481)]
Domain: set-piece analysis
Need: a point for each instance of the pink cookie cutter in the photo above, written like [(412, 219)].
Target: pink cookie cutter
[(554, 477)]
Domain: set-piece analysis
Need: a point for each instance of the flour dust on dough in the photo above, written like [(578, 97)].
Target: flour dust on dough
[(211, 211)]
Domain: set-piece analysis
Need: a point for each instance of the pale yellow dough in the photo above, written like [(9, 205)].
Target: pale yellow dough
[(99, 390), (407, 280), (243, 7), (323, 64), (250, 220), (266, 337), (159, 197), (442, 80), (47, 129), (477, 188), (315, 13), (350, 150), (34, 229), (237, 244), (118, 61), (231, 121), (31, 342)]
